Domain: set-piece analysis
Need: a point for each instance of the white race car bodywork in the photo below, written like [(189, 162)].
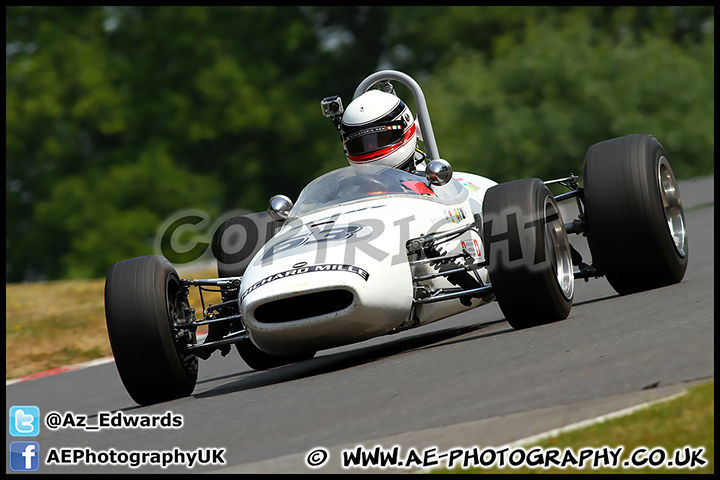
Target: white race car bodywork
[(339, 274), (369, 250)]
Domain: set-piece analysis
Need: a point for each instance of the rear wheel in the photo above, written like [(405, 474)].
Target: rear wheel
[(143, 299), (529, 255), (238, 240), (229, 237), (635, 219), (259, 360)]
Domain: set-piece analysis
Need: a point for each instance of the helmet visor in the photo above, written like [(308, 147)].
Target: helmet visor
[(374, 138)]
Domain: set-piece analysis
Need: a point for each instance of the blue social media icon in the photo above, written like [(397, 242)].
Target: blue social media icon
[(24, 421), (24, 456)]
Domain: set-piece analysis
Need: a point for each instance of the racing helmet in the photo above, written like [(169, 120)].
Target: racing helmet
[(378, 128)]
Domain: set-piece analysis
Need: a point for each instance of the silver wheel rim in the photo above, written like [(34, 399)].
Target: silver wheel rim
[(672, 204), (559, 247)]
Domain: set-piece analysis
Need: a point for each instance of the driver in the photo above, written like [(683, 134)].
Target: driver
[(378, 128)]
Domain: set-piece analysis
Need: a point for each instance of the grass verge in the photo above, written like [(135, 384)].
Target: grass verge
[(53, 324), (666, 429)]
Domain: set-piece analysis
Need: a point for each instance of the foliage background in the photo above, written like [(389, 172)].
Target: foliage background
[(118, 117)]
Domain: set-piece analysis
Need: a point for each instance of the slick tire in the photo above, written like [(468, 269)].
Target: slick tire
[(239, 239), (635, 219), (142, 300), (231, 264), (259, 360), (529, 259)]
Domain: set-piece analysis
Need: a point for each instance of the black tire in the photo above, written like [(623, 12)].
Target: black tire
[(529, 259), (632, 202), (141, 301), (234, 264), (238, 240), (231, 264), (259, 360)]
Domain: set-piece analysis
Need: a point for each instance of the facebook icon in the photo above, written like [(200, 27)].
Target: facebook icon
[(24, 456)]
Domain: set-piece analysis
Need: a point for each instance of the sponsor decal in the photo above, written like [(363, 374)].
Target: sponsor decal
[(330, 267), (469, 185), (460, 214), (473, 248), (456, 215), (453, 215)]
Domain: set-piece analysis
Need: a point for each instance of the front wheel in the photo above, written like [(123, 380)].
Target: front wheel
[(143, 299), (636, 223), (529, 259)]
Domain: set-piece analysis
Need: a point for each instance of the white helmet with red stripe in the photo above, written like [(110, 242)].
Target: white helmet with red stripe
[(378, 128)]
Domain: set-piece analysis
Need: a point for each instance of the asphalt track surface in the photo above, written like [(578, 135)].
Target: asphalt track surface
[(470, 380)]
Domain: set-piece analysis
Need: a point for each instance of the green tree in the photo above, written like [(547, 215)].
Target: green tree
[(129, 202), (541, 99), (116, 117), (219, 94)]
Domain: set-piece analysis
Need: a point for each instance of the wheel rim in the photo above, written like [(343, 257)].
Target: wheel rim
[(672, 205), (559, 247), (181, 338)]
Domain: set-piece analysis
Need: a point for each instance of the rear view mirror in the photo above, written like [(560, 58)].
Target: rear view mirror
[(438, 172), (279, 207)]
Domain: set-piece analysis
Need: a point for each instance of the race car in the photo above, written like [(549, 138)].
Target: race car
[(369, 250)]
